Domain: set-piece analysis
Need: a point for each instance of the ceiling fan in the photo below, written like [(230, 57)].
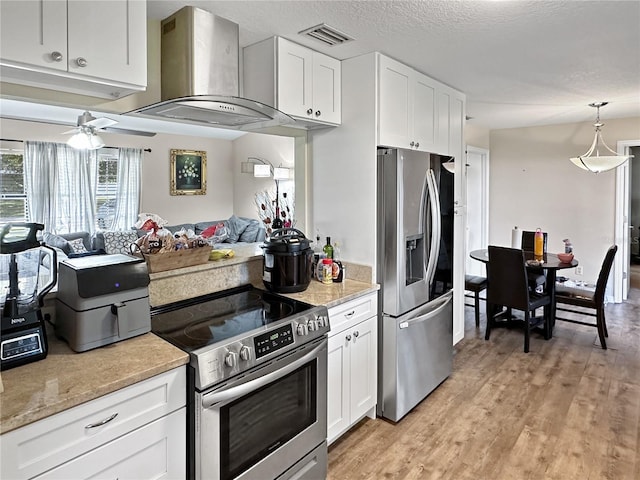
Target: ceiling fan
[(85, 135), (87, 123)]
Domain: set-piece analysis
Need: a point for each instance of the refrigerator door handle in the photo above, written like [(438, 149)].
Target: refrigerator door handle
[(423, 203), (441, 303), (434, 251)]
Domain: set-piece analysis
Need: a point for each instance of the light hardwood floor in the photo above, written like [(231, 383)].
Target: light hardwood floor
[(566, 410)]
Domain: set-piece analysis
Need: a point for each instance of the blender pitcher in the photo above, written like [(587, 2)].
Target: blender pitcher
[(22, 290)]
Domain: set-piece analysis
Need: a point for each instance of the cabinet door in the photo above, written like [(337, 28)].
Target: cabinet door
[(444, 121), (395, 97), (155, 451), (363, 357), (338, 373), (326, 88), (31, 31), (424, 119), (108, 40), (295, 70)]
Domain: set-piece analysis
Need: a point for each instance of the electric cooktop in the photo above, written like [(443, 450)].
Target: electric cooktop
[(229, 332)]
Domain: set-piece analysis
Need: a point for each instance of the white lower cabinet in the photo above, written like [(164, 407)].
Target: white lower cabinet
[(138, 432), (352, 364)]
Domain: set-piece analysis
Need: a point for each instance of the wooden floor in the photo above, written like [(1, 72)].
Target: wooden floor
[(566, 410)]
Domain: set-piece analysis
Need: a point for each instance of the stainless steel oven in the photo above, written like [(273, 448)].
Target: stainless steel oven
[(261, 425), (257, 388)]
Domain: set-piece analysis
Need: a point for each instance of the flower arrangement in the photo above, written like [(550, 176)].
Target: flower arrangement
[(189, 171), (270, 205)]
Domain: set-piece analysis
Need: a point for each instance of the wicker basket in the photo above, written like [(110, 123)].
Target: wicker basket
[(160, 262)]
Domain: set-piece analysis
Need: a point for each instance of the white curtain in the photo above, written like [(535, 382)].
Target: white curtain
[(129, 180), (61, 185)]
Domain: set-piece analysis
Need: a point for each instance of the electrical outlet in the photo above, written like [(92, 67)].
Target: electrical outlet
[(579, 270)]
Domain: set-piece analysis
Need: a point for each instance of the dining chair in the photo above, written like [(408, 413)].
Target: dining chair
[(507, 286), (588, 301), (537, 276), (475, 284)]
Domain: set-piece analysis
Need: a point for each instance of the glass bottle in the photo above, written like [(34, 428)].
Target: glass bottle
[(328, 249), (538, 244)]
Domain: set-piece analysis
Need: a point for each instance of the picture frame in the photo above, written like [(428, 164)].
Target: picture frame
[(188, 172)]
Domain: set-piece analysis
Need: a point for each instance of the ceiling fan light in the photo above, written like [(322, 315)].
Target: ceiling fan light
[(450, 166), (95, 142), (79, 141)]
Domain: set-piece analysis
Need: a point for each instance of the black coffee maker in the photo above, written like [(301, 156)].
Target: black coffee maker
[(23, 337)]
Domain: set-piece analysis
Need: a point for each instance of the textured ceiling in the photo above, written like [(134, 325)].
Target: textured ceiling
[(520, 63)]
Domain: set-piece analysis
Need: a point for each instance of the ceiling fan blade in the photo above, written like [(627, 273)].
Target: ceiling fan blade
[(126, 131), (102, 122), (73, 130)]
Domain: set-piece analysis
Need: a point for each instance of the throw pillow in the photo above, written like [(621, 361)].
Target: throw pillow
[(251, 232), (57, 241), (77, 246), (119, 242), (235, 226)]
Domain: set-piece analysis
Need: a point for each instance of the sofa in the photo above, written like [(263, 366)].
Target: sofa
[(239, 231)]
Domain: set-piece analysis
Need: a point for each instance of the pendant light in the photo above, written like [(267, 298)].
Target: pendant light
[(450, 165), (592, 161)]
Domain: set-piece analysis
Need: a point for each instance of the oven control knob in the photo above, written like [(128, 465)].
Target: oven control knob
[(312, 325), (322, 321), (245, 353), (230, 359), (302, 329)]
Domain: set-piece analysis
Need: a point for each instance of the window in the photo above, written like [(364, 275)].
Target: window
[(18, 203), (107, 188), (13, 197)]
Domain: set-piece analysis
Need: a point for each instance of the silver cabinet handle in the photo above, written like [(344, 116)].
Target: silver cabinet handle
[(318, 113), (56, 56), (350, 314), (348, 337), (102, 422), (417, 144), (310, 111), (412, 144), (81, 62), (356, 333)]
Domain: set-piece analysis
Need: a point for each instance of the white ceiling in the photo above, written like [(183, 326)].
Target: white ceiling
[(520, 63)]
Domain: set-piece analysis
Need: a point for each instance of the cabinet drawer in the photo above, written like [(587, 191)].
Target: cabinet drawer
[(40, 446), (352, 312), (155, 451)]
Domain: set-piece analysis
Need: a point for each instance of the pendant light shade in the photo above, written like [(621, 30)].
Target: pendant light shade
[(592, 160)]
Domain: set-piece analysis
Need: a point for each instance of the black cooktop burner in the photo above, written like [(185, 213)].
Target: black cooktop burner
[(210, 319)]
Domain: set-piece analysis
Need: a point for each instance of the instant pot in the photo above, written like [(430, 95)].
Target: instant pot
[(288, 261)]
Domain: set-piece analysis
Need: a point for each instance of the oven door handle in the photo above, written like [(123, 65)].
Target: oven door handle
[(238, 391)]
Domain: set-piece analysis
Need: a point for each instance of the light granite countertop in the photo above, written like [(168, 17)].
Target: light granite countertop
[(65, 378), (333, 294)]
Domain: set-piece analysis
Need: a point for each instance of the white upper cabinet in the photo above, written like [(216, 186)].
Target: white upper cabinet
[(90, 48), (301, 82), (407, 107), (416, 111)]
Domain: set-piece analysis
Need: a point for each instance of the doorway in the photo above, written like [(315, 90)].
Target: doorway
[(625, 230), (477, 195)]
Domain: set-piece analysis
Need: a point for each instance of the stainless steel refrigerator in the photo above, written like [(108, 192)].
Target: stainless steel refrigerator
[(415, 271)]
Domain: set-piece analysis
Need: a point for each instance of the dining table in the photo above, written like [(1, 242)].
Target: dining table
[(548, 262)]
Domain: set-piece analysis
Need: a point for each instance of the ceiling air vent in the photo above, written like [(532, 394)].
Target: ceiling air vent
[(326, 34)]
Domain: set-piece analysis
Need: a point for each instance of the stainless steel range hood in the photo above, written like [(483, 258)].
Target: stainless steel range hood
[(200, 75)]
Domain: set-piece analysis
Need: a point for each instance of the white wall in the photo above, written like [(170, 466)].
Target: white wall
[(477, 136), (533, 184), (278, 150)]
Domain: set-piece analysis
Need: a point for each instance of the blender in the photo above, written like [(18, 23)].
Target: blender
[(23, 337)]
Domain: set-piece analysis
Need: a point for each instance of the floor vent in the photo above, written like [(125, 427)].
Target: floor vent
[(326, 34)]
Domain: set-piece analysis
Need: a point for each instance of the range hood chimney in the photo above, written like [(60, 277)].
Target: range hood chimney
[(200, 75)]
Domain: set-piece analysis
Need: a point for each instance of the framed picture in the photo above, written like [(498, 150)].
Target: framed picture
[(188, 172)]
